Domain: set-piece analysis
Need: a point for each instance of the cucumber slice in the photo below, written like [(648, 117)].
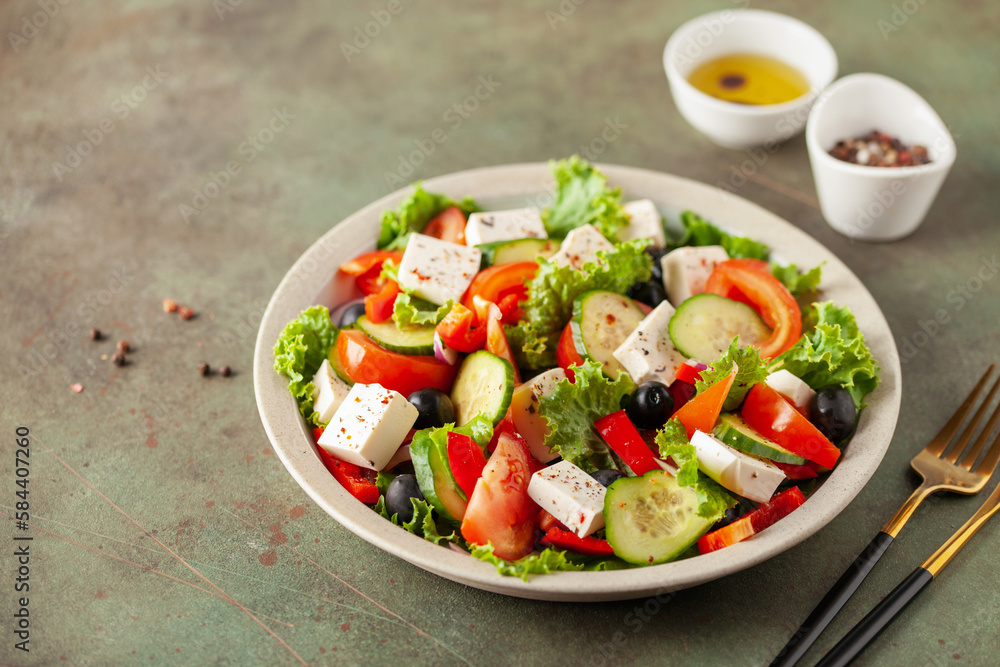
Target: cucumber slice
[(521, 250), (705, 325), (430, 465), (651, 519), (483, 386), (733, 431), (334, 360), (417, 339), (601, 322)]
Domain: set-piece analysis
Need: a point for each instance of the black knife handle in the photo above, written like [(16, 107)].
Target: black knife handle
[(877, 619), (832, 602)]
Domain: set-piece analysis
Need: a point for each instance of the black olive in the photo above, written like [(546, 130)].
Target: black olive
[(657, 254), (397, 497), (731, 515), (650, 292), (833, 413), (606, 477), (650, 406), (434, 407), (352, 313)]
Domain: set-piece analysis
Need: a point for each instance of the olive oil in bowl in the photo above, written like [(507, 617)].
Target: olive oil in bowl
[(749, 78)]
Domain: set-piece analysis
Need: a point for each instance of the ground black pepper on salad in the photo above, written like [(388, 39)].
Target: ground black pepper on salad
[(600, 394)]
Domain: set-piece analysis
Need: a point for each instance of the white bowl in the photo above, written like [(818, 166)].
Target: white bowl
[(876, 203), (741, 126), (315, 279)]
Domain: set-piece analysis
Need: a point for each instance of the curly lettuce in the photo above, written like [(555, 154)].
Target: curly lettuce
[(673, 443), (572, 408), (544, 562), (797, 282), (301, 350), (414, 213), (700, 232), (554, 288), (833, 352), (583, 198), (751, 369)]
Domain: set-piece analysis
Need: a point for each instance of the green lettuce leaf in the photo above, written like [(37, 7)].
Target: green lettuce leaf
[(572, 409), (751, 370), (413, 215), (301, 350), (713, 500), (583, 198), (408, 310), (798, 283), (551, 293), (832, 353), (700, 232), (544, 562), (422, 523)]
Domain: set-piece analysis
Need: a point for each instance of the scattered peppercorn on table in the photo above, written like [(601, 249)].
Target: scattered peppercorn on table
[(166, 164)]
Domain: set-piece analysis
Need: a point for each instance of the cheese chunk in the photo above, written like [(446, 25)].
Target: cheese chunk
[(493, 226), (786, 384), (685, 270), (524, 412), (644, 223), (570, 495), (749, 476), (437, 270), (648, 353), (329, 391), (580, 247), (369, 426)]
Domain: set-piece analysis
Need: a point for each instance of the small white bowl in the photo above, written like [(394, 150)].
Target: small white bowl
[(741, 126), (876, 203)]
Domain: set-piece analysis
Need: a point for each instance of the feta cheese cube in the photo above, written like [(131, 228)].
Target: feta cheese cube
[(329, 391), (580, 247), (570, 495), (437, 270), (493, 226), (369, 426), (786, 384), (524, 412), (749, 476), (648, 353), (685, 270), (644, 223)]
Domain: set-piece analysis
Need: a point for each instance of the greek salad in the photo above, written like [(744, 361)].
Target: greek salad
[(583, 387)]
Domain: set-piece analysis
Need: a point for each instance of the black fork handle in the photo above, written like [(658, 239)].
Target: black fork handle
[(832, 602)]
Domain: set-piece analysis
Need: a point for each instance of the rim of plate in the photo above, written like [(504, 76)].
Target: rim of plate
[(313, 279)]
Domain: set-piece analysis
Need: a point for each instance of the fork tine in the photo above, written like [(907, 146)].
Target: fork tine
[(971, 428), (989, 463), (941, 440)]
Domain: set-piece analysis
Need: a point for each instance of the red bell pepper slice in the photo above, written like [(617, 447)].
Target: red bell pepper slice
[(702, 411), (690, 373), (367, 267), (378, 307), (767, 412), (754, 521), (359, 482), (457, 330), (623, 437), (590, 545), (500, 281), (566, 354), (466, 461)]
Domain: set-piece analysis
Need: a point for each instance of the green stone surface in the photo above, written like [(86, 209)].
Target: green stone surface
[(165, 529)]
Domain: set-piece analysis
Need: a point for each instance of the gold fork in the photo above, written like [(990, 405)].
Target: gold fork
[(942, 470)]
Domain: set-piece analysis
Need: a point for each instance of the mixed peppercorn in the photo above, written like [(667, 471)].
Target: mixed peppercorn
[(878, 149)]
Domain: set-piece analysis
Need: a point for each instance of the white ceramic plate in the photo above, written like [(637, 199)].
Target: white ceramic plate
[(313, 279)]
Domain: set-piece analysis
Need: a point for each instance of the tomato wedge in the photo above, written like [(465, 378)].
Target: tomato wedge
[(623, 437), (367, 267), (754, 521), (566, 354), (767, 412), (448, 225), (590, 545), (366, 362), (499, 510), (458, 330), (359, 482), (496, 339), (466, 461), (747, 281), (702, 411), (502, 280)]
